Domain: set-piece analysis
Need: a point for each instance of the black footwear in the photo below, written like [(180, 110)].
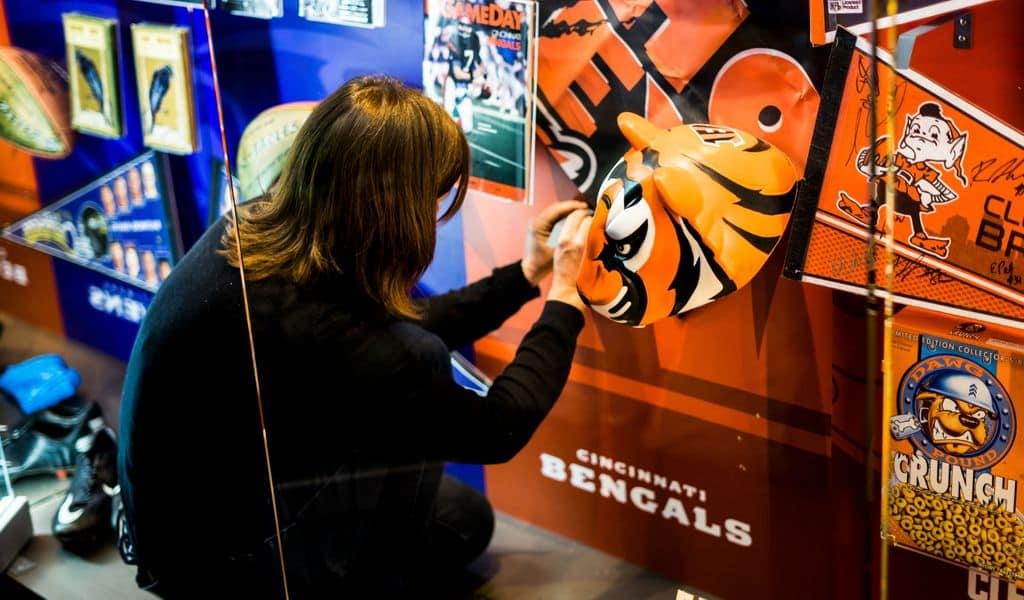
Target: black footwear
[(84, 517), (64, 419), (36, 447), (125, 543)]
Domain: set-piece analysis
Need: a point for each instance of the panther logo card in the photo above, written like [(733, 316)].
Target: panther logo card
[(93, 76)]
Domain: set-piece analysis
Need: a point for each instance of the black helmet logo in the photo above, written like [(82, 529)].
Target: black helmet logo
[(958, 410)]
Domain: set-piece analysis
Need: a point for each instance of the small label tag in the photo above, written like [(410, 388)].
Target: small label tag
[(845, 7)]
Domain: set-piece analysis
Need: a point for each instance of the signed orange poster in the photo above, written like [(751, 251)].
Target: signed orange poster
[(959, 194)]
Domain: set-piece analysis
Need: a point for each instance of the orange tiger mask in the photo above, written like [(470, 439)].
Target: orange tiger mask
[(687, 216)]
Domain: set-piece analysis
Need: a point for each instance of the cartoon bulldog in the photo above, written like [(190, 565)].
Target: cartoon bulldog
[(687, 216), (929, 139), (958, 411)]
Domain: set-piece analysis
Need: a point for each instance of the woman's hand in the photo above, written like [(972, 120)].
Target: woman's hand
[(569, 257), (538, 255)]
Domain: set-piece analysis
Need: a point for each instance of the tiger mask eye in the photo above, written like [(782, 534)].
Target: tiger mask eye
[(689, 215)]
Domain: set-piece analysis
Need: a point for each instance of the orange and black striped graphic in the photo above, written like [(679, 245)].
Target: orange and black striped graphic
[(686, 217), (745, 65)]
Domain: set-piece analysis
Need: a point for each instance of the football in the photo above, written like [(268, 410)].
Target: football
[(34, 112), (264, 146)]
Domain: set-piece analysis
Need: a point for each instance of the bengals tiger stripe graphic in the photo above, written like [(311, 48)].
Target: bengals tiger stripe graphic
[(688, 215), (726, 62)]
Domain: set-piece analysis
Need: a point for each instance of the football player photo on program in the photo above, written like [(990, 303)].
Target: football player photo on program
[(478, 65)]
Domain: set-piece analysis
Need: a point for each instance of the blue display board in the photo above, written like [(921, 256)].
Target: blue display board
[(261, 63), (100, 310)]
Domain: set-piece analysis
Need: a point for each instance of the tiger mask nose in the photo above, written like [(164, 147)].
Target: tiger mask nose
[(687, 216)]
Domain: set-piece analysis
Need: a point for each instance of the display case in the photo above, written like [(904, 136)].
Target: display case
[(15, 521), (716, 419)]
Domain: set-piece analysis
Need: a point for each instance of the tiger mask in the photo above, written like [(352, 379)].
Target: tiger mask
[(687, 216)]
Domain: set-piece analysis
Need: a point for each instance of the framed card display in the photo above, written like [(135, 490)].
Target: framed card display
[(93, 74), (354, 13), (828, 15), (186, 3), (163, 70), (263, 9)]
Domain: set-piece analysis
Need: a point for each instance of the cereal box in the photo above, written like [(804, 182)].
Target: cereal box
[(954, 464)]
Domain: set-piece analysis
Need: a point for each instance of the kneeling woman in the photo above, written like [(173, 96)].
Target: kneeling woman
[(360, 404)]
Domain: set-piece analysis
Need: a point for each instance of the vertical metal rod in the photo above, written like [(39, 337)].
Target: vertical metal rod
[(872, 314), (245, 298), (888, 385)]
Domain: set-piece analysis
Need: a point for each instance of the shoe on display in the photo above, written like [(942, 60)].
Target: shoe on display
[(84, 517), (70, 407), (37, 448), (60, 420), (125, 544), (35, 454), (57, 422)]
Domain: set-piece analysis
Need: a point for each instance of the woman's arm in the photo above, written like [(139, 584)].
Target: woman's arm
[(466, 427), (466, 315), (462, 426)]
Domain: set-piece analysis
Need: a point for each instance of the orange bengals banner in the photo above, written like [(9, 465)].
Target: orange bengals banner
[(743, 64), (689, 447), (959, 194)]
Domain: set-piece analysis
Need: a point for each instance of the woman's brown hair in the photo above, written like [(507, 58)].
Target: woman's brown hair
[(358, 195)]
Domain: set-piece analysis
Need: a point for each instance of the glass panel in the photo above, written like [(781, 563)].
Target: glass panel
[(5, 476), (229, 333), (113, 295)]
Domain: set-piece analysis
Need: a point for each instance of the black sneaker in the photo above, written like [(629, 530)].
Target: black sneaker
[(36, 447), (125, 543), (67, 415), (83, 519)]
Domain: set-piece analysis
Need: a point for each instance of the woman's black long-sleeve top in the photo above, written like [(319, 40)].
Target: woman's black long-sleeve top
[(361, 413)]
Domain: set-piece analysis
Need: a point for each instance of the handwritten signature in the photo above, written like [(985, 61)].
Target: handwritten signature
[(868, 89), (992, 170), (1004, 267), (903, 269)]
